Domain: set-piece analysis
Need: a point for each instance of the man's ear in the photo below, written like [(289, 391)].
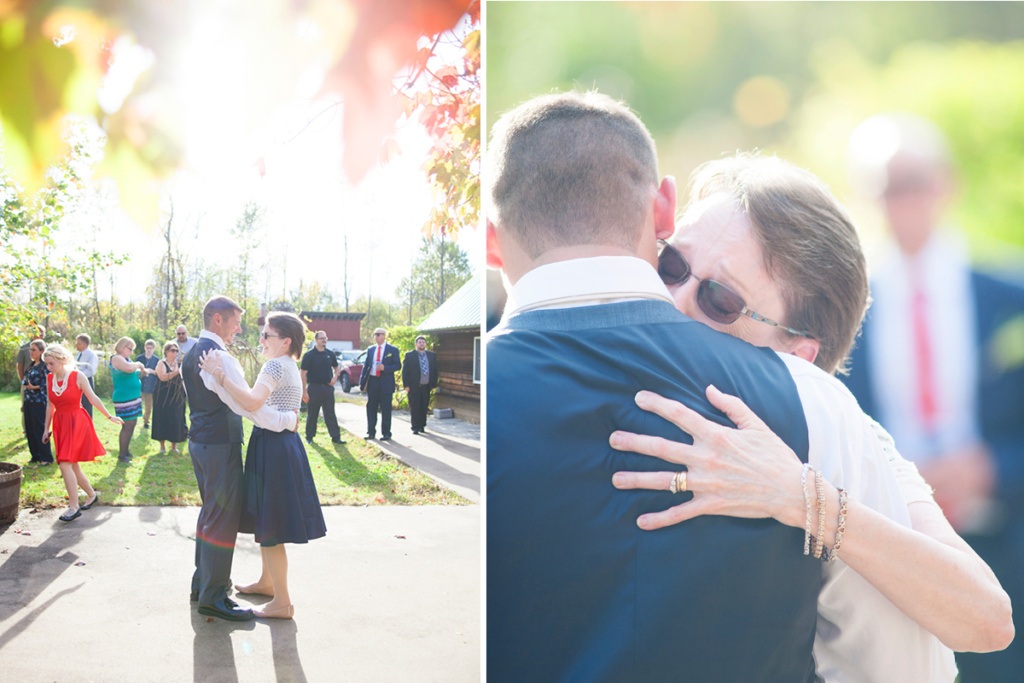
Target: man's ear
[(665, 208), (806, 348), (493, 250)]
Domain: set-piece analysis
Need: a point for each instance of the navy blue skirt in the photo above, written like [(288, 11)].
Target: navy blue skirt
[(280, 500)]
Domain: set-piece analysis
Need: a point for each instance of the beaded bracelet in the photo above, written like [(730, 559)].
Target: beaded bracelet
[(819, 485), (844, 500), (807, 505)]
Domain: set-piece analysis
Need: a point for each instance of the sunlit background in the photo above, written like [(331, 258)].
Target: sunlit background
[(307, 112), (794, 79)]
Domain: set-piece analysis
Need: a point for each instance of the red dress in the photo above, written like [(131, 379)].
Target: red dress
[(74, 437)]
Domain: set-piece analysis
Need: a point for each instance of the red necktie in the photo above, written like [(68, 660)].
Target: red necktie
[(376, 370), (923, 354)]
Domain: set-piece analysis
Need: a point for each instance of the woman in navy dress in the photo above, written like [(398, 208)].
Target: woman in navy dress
[(281, 502)]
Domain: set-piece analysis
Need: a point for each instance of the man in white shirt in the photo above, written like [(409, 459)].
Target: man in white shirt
[(87, 362), (185, 342)]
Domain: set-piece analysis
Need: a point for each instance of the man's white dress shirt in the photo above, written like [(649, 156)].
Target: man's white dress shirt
[(861, 636), (87, 362)]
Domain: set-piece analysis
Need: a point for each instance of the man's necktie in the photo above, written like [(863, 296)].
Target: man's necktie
[(923, 354), (376, 370), (423, 364)]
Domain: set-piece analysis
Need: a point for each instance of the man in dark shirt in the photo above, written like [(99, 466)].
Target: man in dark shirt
[(319, 373)]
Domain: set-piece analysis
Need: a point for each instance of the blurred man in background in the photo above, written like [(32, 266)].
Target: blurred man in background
[(940, 363)]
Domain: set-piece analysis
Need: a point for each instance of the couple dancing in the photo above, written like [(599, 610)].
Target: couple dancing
[(649, 338), (275, 497)]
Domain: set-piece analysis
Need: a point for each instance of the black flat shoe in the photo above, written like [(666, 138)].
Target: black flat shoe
[(226, 608), (70, 516), (92, 502)]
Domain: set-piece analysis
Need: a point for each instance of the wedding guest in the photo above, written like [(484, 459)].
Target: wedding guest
[(127, 396), (34, 405), (88, 363), (169, 401), (24, 359), (149, 360), (74, 437), (279, 492), (185, 342)]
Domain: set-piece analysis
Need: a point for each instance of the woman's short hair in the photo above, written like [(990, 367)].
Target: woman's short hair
[(810, 246), (170, 345), (60, 354), (123, 342), (290, 326), (38, 344)]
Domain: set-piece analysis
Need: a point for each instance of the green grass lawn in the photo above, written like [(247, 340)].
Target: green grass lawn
[(356, 473)]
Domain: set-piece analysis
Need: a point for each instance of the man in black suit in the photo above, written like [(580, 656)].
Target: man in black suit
[(378, 381), (419, 377)]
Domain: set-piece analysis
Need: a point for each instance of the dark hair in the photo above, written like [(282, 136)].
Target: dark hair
[(84, 337), (420, 337), (219, 304), (291, 327), (571, 169), (809, 243)]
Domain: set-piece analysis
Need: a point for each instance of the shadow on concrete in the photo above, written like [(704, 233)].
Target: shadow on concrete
[(436, 468), (454, 447), (26, 621), (213, 657)]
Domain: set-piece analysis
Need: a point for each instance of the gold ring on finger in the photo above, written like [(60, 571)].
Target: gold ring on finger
[(678, 484)]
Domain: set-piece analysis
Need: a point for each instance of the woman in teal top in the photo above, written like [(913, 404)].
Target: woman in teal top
[(127, 396)]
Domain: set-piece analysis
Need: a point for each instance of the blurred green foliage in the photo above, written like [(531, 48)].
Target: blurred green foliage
[(790, 78)]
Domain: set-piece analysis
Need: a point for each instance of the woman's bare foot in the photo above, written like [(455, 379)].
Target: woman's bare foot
[(271, 612), (256, 589)]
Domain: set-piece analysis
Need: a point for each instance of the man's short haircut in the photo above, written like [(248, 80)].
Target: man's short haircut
[(150, 342), (290, 326), (84, 338), (380, 330), (420, 337), (810, 246), (182, 328), (318, 333), (571, 169), (219, 304), (881, 139)]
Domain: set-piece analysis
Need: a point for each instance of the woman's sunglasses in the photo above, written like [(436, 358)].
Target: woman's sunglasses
[(718, 302)]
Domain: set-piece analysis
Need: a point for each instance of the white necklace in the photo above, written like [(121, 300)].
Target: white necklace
[(59, 388)]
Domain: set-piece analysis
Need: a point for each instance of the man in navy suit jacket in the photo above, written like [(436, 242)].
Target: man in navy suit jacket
[(575, 590), (940, 362), (378, 380)]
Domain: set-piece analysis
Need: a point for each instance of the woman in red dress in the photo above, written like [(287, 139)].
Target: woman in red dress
[(74, 437)]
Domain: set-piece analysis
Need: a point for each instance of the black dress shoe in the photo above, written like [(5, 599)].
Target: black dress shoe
[(369, 436), (226, 608), (338, 440), (386, 438), (70, 516)]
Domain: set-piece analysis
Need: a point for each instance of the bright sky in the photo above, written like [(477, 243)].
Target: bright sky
[(311, 207)]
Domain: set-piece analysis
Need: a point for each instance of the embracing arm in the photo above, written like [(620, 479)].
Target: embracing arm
[(250, 400), (928, 571)]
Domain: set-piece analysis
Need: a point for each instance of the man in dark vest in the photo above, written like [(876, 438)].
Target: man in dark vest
[(215, 445), (575, 590)]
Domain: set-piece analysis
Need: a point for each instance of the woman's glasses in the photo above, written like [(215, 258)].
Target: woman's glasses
[(718, 302), (264, 335)]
